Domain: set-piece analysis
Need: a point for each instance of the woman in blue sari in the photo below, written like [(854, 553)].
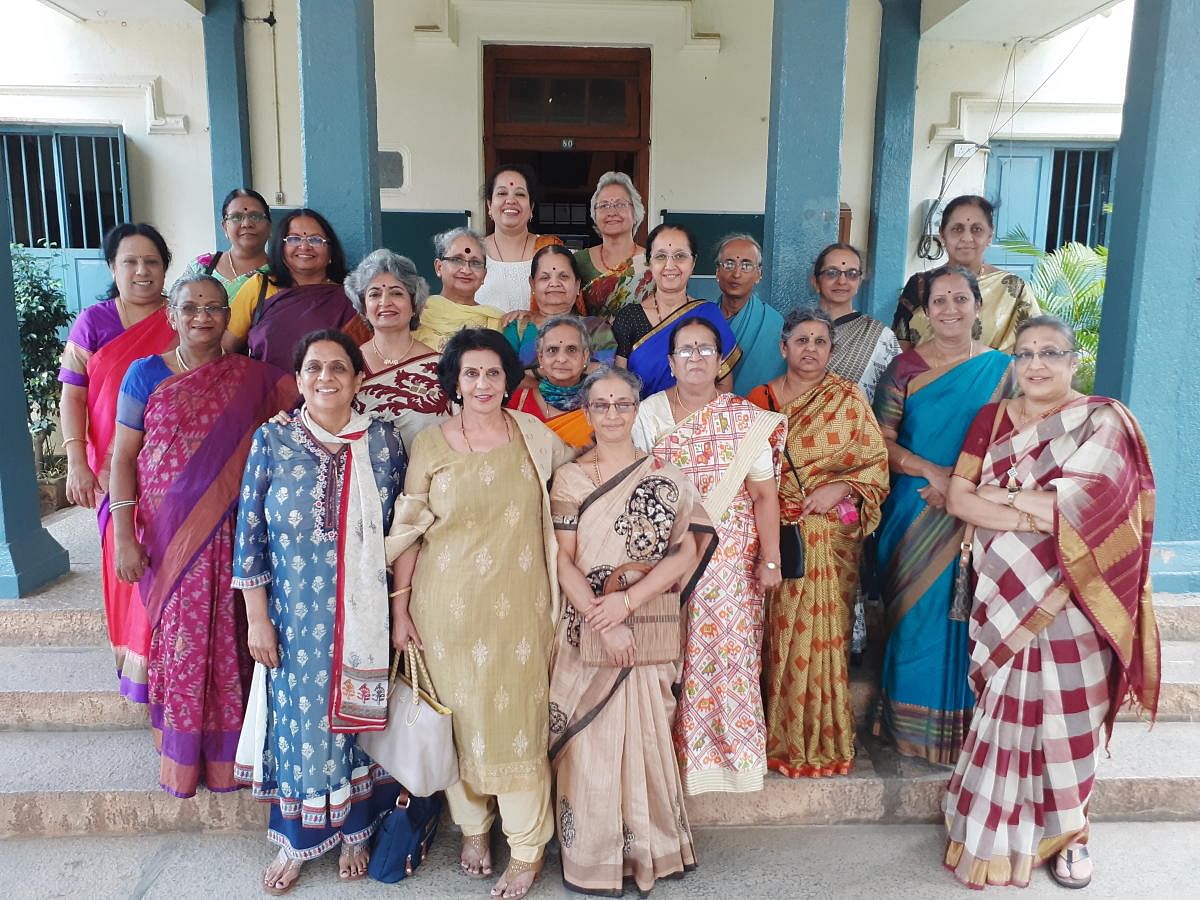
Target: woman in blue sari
[(643, 330), (925, 402)]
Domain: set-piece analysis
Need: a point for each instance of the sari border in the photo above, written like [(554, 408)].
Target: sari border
[(587, 718)]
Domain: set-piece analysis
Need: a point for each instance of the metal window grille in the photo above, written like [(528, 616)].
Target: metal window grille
[(1080, 185), (66, 187)]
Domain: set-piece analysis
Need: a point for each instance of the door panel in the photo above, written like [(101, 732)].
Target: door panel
[(1018, 181)]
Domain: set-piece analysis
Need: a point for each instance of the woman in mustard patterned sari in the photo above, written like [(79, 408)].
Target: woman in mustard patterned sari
[(834, 479)]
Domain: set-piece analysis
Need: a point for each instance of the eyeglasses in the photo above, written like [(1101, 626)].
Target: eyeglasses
[(247, 218), (679, 257), (832, 273), (191, 310), (623, 407), (457, 262), (614, 205), (746, 265), (312, 240), (706, 351), (1050, 357)]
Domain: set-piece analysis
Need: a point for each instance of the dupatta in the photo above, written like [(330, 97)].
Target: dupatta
[(648, 358), (199, 426)]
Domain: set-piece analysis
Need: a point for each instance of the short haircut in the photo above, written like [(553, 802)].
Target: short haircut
[(802, 314), (564, 319), (329, 334), (619, 178), (604, 373), (399, 267), (442, 242), (667, 226), (245, 192), (450, 365), (985, 207), (1048, 321), (191, 280), (335, 271), (941, 272), (697, 320), (738, 236), (819, 262)]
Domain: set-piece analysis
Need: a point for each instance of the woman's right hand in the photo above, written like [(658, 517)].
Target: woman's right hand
[(403, 631), (131, 561), (82, 487), (263, 642), (619, 645)]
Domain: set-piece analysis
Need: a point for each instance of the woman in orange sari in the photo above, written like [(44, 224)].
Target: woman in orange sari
[(833, 482), (552, 390), (105, 339)]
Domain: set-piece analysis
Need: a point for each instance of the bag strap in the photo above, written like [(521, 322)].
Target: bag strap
[(771, 403), (259, 306), (968, 539), (212, 262)]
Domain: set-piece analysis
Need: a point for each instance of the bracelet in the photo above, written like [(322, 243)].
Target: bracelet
[(1028, 520), (400, 591), (114, 505), (68, 440), (900, 465), (628, 608)]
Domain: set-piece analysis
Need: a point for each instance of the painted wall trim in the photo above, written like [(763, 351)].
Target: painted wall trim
[(158, 121), (971, 114)]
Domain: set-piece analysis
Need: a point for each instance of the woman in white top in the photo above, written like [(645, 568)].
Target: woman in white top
[(509, 194)]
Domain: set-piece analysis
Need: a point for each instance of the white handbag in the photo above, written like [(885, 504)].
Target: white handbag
[(417, 747)]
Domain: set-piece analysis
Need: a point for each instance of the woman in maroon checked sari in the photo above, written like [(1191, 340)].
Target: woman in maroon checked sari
[(184, 425), (1059, 488)]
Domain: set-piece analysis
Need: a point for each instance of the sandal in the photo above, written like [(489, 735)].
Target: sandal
[(479, 845), (516, 868), (1071, 855), (289, 866), (350, 856)]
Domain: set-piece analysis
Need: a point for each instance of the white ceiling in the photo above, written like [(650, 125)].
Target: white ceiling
[(128, 10), (1000, 21)]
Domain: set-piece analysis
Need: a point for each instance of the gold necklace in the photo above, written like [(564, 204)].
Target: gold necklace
[(179, 357), (412, 340), (462, 425), (496, 244)]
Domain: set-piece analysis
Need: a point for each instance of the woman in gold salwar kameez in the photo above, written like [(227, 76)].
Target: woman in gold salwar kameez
[(833, 482), (619, 795), (476, 586)]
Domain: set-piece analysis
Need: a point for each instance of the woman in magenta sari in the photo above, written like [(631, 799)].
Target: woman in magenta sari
[(302, 293), (184, 424), (104, 340)]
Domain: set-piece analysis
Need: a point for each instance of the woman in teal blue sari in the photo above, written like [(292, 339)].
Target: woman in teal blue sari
[(925, 402)]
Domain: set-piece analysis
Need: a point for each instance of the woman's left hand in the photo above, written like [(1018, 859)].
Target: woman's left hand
[(769, 578), (932, 496), (608, 612), (824, 498), (283, 417)]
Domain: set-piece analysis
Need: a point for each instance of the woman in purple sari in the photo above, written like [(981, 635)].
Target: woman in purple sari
[(184, 425), (302, 293)]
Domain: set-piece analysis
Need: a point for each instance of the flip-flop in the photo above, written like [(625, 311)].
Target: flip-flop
[(1070, 857), (351, 854), (279, 892)]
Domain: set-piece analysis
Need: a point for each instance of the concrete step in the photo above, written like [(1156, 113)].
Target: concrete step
[(849, 861), (106, 783), (1178, 616), (63, 687)]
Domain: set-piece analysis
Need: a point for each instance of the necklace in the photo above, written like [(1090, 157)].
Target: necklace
[(233, 271), (412, 339), (1023, 419), (596, 466), (463, 427), (677, 402), (496, 244), (604, 262), (179, 357), (942, 361)]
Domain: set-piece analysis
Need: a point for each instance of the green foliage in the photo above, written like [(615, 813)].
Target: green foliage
[(1069, 283), (41, 312)]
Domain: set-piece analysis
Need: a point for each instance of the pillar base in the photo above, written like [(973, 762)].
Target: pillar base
[(1175, 566), (29, 562)]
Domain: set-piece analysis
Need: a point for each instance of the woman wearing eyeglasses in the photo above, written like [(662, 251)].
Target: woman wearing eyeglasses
[(461, 264), (1061, 494), (925, 402), (553, 390), (863, 346), (968, 225), (621, 518), (246, 221), (643, 330), (615, 272), (730, 449), (302, 293)]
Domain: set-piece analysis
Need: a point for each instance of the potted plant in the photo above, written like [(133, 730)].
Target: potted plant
[(41, 314)]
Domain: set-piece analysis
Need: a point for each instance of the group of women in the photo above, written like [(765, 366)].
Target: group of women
[(629, 584)]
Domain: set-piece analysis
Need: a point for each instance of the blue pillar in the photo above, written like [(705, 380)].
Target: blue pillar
[(1152, 296), (808, 79), (228, 110), (29, 556), (891, 167), (339, 134)]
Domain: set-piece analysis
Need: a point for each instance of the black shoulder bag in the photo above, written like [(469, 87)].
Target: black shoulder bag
[(791, 540)]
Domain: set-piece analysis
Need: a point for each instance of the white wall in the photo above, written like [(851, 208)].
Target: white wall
[(1074, 82), (169, 174)]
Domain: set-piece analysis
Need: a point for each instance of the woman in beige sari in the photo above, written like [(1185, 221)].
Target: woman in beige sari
[(619, 805)]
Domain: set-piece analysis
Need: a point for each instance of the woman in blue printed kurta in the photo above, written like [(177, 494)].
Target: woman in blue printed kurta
[(323, 789)]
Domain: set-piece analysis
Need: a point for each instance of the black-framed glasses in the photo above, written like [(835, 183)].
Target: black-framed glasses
[(1050, 357), (602, 407), (247, 218), (312, 240), (457, 262), (746, 265), (191, 310), (832, 273), (706, 351)]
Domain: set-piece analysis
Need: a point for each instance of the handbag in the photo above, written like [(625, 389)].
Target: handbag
[(402, 840), (791, 537), (659, 627), (417, 746)]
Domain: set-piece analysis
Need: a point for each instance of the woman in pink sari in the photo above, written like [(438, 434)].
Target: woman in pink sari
[(184, 424), (104, 340)]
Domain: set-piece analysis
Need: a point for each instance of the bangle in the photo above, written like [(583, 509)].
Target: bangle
[(399, 591), (68, 440), (628, 608), (1028, 520), (900, 465), (114, 505)]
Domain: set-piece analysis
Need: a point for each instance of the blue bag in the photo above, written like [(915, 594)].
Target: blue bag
[(403, 838)]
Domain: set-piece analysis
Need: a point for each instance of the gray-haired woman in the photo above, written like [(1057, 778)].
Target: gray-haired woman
[(552, 390), (614, 272), (401, 382), (461, 265)]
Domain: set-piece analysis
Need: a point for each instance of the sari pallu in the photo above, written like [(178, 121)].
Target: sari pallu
[(1062, 631), (925, 698), (1007, 302), (198, 428), (619, 798), (128, 627), (408, 394), (280, 322), (648, 359), (832, 437)]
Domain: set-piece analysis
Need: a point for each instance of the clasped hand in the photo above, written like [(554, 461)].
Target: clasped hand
[(608, 612)]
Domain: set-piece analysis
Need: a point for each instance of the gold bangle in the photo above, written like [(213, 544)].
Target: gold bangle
[(399, 591), (68, 440), (628, 608), (900, 465)]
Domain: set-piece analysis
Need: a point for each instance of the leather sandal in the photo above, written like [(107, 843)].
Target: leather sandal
[(350, 855), (1071, 856), (481, 845), (290, 865), (517, 868)]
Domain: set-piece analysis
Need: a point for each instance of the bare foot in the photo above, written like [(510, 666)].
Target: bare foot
[(352, 861), (476, 856), (517, 879), (281, 874)]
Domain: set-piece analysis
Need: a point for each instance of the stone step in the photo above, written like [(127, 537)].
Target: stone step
[(1178, 616), (105, 783), (63, 687)]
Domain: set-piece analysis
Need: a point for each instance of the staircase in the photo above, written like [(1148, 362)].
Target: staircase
[(77, 759)]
